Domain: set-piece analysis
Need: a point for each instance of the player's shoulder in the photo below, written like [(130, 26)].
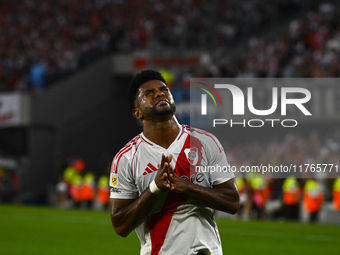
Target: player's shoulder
[(199, 133), (125, 153), (131, 146), (204, 136)]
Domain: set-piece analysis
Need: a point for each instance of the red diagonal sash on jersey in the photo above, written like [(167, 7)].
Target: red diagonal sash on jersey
[(159, 223)]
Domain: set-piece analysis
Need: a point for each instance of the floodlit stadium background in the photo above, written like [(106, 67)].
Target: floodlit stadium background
[(64, 71)]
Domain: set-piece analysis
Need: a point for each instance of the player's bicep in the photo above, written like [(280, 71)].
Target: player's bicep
[(231, 196), (117, 204), (230, 189), (117, 212)]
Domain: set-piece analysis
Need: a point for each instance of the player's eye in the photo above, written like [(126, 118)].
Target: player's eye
[(147, 93)]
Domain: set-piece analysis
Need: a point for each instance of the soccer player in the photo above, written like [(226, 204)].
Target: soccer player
[(155, 188)]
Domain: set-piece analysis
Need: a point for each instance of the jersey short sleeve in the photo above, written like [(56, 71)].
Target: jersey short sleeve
[(122, 184), (217, 159)]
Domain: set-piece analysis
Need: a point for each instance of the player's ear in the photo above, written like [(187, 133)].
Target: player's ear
[(137, 113)]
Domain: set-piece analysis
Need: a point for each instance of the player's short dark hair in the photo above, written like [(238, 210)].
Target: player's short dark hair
[(140, 78)]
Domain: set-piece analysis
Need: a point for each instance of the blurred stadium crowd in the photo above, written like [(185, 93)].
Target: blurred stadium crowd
[(41, 42), (308, 191)]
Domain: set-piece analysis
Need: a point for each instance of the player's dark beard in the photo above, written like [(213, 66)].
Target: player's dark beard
[(156, 112)]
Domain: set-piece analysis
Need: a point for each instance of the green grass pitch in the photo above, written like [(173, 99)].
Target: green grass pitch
[(42, 230)]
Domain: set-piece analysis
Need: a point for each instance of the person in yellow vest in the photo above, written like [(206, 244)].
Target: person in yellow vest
[(88, 190), (68, 174), (103, 192), (336, 194), (291, 198), (260, 195), (71, 171), (313, 199), (75, 190)]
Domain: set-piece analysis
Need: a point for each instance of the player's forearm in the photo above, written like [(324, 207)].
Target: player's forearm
[(219, 198), (126, 219)]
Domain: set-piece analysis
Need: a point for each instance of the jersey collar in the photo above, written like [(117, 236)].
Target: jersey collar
[(142, 136)]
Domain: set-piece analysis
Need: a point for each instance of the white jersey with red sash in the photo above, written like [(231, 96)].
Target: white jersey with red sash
[(177, 223)]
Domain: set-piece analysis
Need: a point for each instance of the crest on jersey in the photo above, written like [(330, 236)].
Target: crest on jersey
[(192, 155), (114, 179)]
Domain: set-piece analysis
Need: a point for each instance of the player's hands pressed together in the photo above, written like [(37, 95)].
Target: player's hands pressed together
[(162, 176), (168, 178), (177, 183), (224, 196)]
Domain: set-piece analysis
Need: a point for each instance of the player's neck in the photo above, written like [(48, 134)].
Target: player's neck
[(162, 133)]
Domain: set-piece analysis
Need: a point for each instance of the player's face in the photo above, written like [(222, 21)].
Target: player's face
[(155, 99)]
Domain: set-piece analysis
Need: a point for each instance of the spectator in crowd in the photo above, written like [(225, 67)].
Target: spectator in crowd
[(62, 194), (313, 199), (73, 179), (88, 190), (291, 198), (37, 76), (103, 192)]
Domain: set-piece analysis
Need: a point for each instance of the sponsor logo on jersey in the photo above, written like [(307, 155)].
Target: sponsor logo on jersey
[(116, 190), (192, 155), (199, 178), (149, 169), (114, 179)]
